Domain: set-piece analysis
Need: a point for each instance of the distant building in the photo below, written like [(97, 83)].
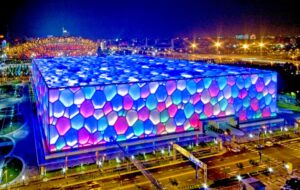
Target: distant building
[(65, 33), (242, 36)]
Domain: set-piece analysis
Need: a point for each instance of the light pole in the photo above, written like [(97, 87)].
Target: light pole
[(193, 46), (239, 178), (270, 170), (261, 46), (245, 47), (218, 45), (5, 177), (23, 179)]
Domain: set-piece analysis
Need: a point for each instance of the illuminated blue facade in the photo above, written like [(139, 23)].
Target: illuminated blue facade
[(84, 101)]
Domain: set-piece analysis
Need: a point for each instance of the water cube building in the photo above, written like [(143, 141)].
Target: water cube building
[(88, 101)]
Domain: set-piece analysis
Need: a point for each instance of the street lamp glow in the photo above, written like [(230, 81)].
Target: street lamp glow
[(215, 141), (218, 44), (285, 129), (239, 178), (270, 169), (286, 166), (23, 177), (245, 46), (132, 157), (251, 135), (261, 45), (193, 45), (204, 185)]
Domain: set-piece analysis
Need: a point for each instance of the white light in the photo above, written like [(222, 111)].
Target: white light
[(204, 185), (215, 141), (270, 131), (23, 177), (286, 129), (251, 135), (64, 170), (239, 177), (162, 151), (286, 166), (270, 170), (132, 157), (99, 163), (118, 160)]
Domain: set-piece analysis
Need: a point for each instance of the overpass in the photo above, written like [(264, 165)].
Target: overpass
[(141, 168), (192, 158)]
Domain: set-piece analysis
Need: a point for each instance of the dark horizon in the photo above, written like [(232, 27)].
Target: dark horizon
[(154, 19)]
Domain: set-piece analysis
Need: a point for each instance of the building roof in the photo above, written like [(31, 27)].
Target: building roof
[(85, 71), (255, 183)]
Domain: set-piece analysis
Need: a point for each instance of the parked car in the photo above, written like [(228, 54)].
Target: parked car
[(235, 149), (259, 146)]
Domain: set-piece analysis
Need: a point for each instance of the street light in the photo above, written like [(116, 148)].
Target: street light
[(193, 46), (204, 185), (261, 45), (270, 170), (23, 179), (286, 166), (99, 163), (217, 45), (245, 46), (239, 178)]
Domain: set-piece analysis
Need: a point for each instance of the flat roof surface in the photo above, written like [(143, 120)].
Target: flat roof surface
[(114, 69)]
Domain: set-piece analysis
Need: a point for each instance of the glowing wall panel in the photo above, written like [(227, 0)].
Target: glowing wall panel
[(83, 116)]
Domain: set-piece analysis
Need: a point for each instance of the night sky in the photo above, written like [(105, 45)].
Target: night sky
[(148, 18)]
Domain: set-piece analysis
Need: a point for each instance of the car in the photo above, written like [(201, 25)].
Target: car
[(269, 144), (277, 142), (235, 150), (259, 146)]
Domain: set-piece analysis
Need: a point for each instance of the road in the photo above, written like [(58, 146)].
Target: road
[(184, 174)]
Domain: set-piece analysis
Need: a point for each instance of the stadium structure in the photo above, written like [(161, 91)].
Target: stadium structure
[(87, 103), (53, 47)]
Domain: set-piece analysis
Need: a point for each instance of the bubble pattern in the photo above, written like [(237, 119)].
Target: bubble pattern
[(75, 117)]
